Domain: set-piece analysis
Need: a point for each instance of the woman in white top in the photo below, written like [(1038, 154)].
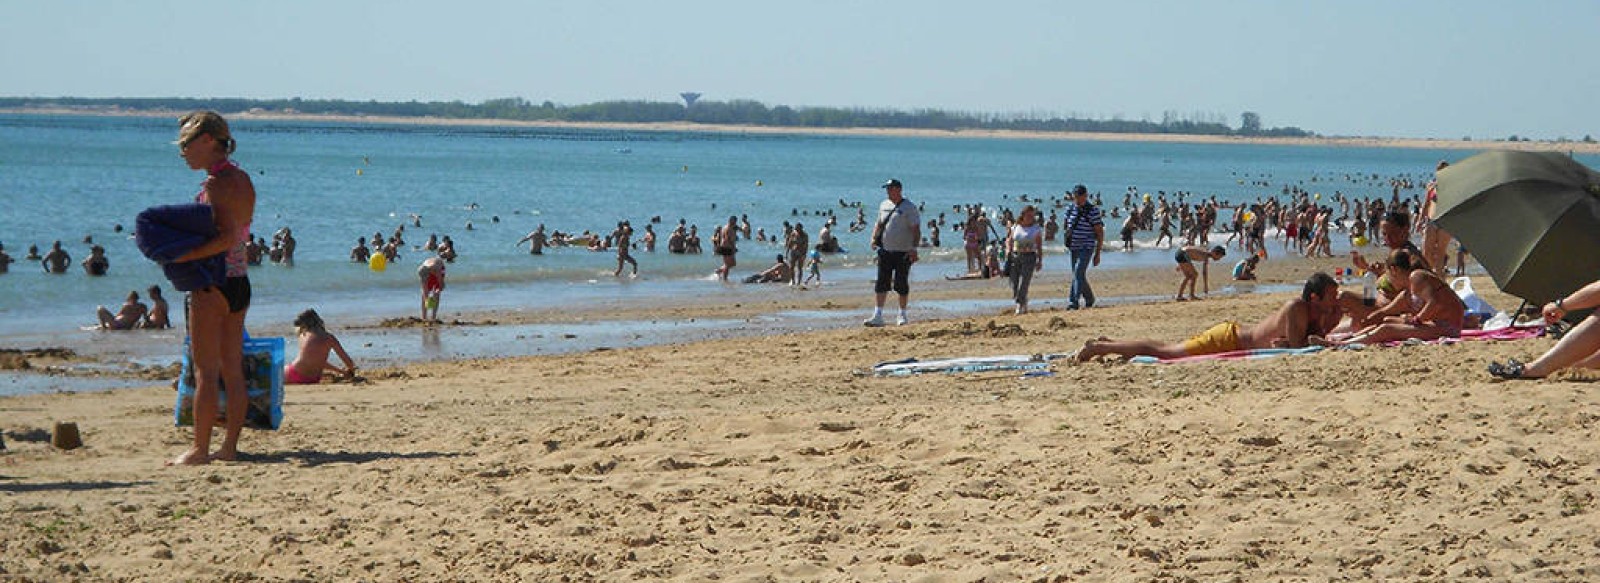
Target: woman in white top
[(1024, 246)]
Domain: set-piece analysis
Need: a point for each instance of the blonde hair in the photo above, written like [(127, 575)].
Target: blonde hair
[(197, 123)]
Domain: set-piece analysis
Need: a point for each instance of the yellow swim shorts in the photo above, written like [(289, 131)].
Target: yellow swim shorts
[(1222, 337)]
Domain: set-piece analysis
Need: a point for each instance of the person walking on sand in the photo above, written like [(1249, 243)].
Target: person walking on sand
[(1025, 248), (1086, 233), (315, 344), (895, 239), (1186, 256), (217, 313), (1301, 322), (431, 274)]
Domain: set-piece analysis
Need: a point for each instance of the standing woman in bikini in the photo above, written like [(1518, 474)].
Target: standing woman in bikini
[(216, 314)]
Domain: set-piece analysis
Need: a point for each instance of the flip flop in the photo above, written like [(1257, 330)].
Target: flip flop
[(1511, 370)]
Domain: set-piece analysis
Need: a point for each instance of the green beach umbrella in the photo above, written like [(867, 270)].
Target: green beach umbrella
[(1532, 219)]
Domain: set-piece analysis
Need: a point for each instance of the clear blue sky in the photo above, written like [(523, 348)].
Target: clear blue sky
[(1447, 69)]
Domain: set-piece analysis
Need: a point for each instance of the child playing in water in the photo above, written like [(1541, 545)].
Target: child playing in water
[(315, 342), (814, 264), (431, 272), (1246, 270), (1186, 257)]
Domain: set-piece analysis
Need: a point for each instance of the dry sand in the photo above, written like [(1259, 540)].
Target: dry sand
[(770, 458)]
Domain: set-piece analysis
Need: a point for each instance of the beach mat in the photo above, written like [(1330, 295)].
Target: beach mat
[(911, 366), (263, 376)]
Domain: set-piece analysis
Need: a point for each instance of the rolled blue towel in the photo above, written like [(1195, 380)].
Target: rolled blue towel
[(164, 233)]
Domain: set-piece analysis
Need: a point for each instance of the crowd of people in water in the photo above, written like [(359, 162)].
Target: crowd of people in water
[(1199, 230)]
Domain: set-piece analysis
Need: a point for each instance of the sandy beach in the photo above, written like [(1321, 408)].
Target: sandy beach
[(1333, 141), (774, 458)]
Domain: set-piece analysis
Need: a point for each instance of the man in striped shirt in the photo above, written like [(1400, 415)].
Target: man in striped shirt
[(1086, 232)]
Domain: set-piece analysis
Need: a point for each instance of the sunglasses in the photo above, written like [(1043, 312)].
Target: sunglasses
[(183, 144)]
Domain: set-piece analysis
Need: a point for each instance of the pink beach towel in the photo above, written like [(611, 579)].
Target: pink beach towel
[(1507, 333)]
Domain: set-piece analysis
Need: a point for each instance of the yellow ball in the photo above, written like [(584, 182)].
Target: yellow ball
[(1360, 241), (378, 262)]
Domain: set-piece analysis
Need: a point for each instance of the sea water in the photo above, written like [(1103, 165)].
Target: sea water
[(69, 178)]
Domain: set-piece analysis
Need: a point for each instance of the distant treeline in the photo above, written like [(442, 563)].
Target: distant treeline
[(734, 112)]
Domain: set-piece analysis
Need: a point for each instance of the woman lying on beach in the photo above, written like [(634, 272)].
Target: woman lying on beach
[(1299, 323), (315, 343), (1579, 348), (1427, 309)]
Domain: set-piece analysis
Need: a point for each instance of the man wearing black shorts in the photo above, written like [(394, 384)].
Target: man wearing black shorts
[(895, 238)]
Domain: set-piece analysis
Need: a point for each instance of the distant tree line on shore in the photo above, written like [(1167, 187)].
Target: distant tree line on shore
[(733, 112)]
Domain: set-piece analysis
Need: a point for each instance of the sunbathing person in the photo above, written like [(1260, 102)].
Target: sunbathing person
[(1578, 348), (1426, 309), (1396, 231), (1299, 323)]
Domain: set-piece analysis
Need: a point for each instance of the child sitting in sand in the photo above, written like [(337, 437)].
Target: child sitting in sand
[(1186, 257), (315, 343), (1246, 270)]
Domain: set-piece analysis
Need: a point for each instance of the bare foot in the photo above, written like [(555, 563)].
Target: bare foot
[(1180, 298), (226, 454), (192, 457), (1088, 350), (1192, 298)]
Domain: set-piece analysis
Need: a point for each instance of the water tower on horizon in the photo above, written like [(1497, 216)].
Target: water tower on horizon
[(689, 98)]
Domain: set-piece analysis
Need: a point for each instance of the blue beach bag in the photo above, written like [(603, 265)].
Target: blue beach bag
[(263, 377)]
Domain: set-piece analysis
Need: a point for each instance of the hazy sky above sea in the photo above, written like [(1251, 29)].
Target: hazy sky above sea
[(1425, 68)]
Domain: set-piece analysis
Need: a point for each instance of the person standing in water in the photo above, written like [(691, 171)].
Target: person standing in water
[(431, 273)]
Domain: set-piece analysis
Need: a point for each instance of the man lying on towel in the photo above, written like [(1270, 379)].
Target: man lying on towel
[(1299, 323)]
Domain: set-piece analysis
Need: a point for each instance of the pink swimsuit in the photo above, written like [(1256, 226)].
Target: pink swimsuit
[(294, 377), (237, 265)]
